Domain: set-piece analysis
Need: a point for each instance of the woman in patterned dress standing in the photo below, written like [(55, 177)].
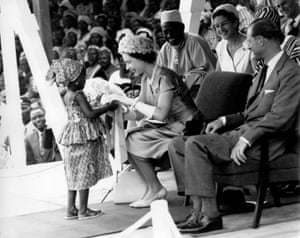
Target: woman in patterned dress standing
[(84, 150)]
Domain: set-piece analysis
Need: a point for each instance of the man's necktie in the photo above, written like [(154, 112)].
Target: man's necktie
[(258, 84)]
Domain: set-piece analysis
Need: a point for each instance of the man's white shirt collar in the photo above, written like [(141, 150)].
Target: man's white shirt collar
[(272, 63)]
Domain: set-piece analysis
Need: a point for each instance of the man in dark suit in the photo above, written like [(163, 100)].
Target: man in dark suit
[(39, 140), (272, 105)]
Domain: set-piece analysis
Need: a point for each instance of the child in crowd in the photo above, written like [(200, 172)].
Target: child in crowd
[(84, 150)]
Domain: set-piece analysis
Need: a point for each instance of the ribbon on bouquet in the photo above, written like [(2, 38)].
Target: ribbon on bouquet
[(119, 139)]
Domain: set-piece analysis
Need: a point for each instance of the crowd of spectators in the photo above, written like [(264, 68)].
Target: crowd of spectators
[(90, 30)]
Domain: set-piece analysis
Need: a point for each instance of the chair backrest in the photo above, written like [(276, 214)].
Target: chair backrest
[(223, 93)]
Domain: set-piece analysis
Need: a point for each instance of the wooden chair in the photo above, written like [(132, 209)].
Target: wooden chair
[(265, 173), (222, 93)]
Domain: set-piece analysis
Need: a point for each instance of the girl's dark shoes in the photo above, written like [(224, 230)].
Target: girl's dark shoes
[(89, 213), (72, 215)]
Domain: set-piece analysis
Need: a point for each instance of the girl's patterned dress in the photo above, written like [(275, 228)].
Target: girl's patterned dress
[(85, 150)]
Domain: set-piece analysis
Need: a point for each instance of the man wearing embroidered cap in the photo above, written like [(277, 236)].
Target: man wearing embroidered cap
[(183, 52)]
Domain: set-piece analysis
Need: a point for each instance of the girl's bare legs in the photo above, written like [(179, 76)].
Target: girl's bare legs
[(83, 200), (84, 211), (71, 204)]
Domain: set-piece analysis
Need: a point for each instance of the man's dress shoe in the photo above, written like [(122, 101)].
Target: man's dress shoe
[(193, 216), (203, 224)]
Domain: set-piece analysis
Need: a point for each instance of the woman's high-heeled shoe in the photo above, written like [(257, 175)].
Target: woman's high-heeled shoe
[(161, 194)]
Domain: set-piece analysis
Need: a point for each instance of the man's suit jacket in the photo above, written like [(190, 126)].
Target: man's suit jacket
[(275, 109), (37, 153)]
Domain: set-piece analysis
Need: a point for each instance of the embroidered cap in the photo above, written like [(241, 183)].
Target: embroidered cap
[(170, 16)]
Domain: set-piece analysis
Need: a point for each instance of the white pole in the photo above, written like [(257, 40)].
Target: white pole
[(159, 211), (190, 11), (14, 114), (27, 28)]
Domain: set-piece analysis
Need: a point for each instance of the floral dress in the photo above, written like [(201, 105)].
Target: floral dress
[(85, 150)]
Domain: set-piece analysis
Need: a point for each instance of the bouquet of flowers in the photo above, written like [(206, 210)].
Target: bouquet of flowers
[(98, 90)]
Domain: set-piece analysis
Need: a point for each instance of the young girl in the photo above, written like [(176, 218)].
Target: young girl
[(84, 151)]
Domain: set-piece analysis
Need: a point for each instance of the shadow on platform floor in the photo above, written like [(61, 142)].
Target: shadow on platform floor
[(118, 217)]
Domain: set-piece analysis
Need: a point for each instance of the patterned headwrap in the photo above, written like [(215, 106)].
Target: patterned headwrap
[(64, 71), (291, 47), (270, 13), (134, 44)]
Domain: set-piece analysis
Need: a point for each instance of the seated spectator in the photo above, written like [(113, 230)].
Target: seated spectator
[(101, 20), (291, 44), (290, 10), (70, 39), (207, 31), (184, 52), (25, 108), (85, 7), (65, 5), (24, 68), (127, 19), (57, 40), (97, 36), (105, 60), (231, 53), (69, 20), (84, 23), (39, 140), (159, 38), (93, 68), (112, 45), (194, 158), (246, 13), (113, 25)]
